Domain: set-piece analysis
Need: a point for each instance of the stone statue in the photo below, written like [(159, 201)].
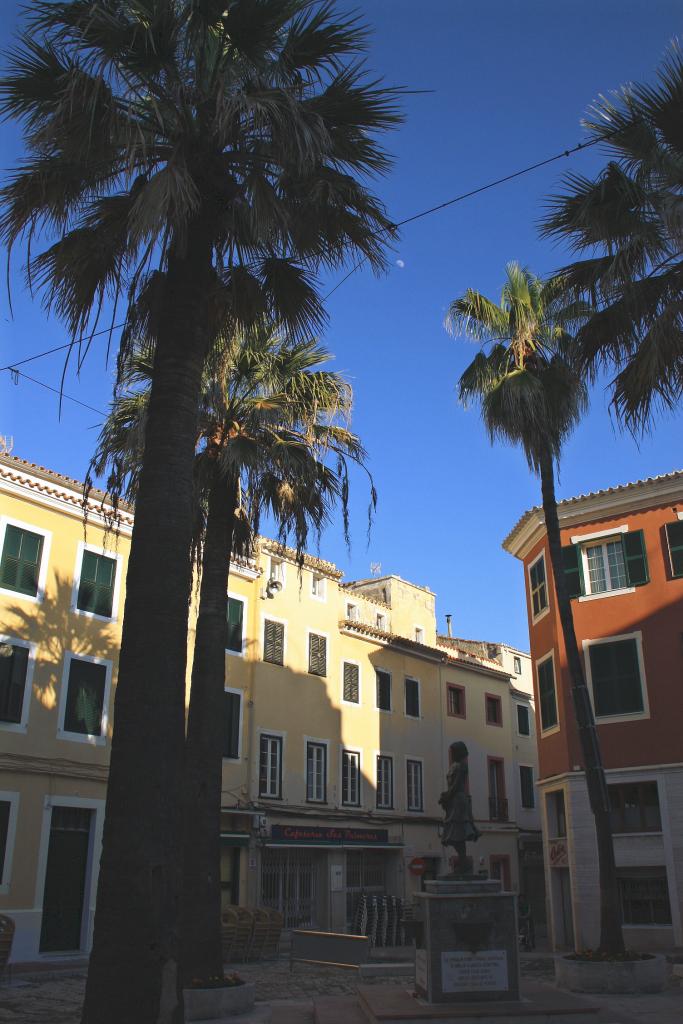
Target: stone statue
[(458, 827)]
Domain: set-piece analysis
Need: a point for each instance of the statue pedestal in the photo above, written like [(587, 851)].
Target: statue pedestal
[(467, 944)]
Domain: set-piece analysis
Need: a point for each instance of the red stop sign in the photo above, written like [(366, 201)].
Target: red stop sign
[(417, 866)]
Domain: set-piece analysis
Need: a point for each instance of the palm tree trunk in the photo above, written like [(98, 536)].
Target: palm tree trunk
[(201, 913), (132, 975), (611, 937)]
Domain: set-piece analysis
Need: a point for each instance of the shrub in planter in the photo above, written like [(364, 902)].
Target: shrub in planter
[(207, 999), (593, 971)]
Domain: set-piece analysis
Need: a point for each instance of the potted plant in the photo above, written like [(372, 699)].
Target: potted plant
[(591, 970), (216, 997)]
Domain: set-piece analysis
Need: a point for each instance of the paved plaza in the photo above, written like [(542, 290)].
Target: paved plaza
[(56, 998)]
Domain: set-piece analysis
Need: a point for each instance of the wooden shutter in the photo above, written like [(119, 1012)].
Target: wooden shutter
[(20, 563), (412, 698), (635, 558), (674, 536), (273, 642), (96, 588), (351, 683), (235, 619), (317, 654), (85, 697), (546, 694), (12, 683), (231, 724), (573, 570), (383, 690), (615, 674)]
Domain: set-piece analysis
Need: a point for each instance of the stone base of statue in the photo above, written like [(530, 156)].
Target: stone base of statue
[(467, 947)]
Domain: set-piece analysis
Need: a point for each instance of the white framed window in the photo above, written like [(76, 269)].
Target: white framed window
[(414, 771), (274, 640), (419, 635), (517, 665), (351, 682), (351, 778), (236, 640), (538, 587), (318, 586), (84, 699), (9, 811), (317, 653), (270, 765), (24, 557), (97, 583), (277, 571), (385, 782), (232, 724), (316, 771), (383, 684), (412, 697), (381, 621), (352, 612), (17, 662), (606, 563), (547, 694), (526, 787), (615, 673), (604, 566)]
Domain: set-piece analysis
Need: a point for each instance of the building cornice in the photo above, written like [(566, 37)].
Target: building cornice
[(59, 766), (587, 508)]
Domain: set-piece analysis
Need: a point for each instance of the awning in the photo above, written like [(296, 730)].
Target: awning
[(235, 838), (275, 844)]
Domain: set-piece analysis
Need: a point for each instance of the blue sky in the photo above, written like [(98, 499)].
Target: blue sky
[(508, 83)]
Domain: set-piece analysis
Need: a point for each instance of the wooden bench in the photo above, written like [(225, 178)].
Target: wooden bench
[(334, 949)]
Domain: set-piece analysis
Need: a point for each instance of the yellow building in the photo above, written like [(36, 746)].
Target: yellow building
[(341, 702)]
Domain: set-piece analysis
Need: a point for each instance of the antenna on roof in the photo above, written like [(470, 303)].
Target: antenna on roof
[(376, 568), (6, 444)]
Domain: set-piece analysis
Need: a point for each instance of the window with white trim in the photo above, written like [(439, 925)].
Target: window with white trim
[(20, 562), (547, 695), (600, 565), (318, 586), (412, 697), (84, 707), (674, 540), (235, 640), (419, 635), (13, 671), (351, 682), (277, 570), (316, 771), (273, 642), (270, 766), (351, 778), (381, 621), (352, 612), (615, 677), (517, 665), (414, 785), (383, 689), (538, 587), (317, 654), (385, 782), (97, 583)]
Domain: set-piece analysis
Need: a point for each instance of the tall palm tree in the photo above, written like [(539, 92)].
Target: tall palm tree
[(228, 144), (625, 227), (532, 395), (270, 422)]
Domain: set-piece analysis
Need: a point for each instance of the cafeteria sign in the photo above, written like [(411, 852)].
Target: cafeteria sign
[(307, 834)]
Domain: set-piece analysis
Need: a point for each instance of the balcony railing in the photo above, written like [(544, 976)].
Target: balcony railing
[(498, 808)]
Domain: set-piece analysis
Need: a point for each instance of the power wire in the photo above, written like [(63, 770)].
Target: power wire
[(20, 373)]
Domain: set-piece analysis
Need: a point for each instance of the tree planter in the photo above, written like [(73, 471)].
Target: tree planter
[(616, 976), (214, 1003)]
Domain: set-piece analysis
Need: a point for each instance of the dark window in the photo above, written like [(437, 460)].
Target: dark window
[(270, 766), (351, 778), (414, 785), (232, 704), (235, 624), (546, 694), (317, 654), (5, 808), (539, 591), (20, 563), (383, 690), (523, 720), (316, 772), (494, 710), (615, 675), (273, 642), (634, 807), (385, 781), (498, 805), (13, 668), (455, 698), (412, 695), (644, 895), (517, 662), (85, 697), (351, 683), (556, 812), (96, 588), (526, 783), (674, 537)]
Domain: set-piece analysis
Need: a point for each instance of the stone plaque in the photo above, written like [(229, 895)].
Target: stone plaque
[(484, 971), (421, 969)]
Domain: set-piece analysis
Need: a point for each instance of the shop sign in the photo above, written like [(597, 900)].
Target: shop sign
[(557, 854), (307, 834)]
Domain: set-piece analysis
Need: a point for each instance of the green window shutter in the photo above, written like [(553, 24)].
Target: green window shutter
[(615, 675), (573, 570), (231, 724), (96, 588), (674, 536), (273, 642), (20, 563), (85, 697), (635, 558), (12, 684), (317, 654), (351, 683), (546, 694), (235, 620)]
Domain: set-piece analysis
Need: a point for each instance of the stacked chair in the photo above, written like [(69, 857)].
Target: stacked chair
[(250, 933)]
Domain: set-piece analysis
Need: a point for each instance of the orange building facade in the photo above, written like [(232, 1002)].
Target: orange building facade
[(623, 562)]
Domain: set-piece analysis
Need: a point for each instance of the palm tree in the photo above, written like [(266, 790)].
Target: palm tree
[(226, 143), (625, 225), (532, 395), (269, 421)]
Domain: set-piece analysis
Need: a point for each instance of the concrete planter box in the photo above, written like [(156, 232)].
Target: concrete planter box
[(214, 1003), (615, 977)]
